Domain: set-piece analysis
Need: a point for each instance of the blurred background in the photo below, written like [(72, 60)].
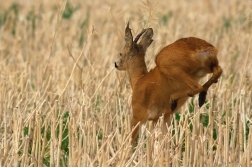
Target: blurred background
[(63, 103)]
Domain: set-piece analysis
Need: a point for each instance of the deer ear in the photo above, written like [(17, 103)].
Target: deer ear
[(128, 37), (146, 38)]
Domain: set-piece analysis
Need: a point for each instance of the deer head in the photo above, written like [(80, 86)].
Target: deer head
[(132, 55)]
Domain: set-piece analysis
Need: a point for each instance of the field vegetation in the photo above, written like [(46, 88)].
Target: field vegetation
[(62, 103)]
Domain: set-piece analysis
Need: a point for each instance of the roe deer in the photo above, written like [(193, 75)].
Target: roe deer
[(164, 89)]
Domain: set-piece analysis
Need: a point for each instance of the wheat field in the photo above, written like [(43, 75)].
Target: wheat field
[(63, 103)]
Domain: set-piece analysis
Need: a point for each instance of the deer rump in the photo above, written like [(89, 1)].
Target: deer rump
[(193, 56)]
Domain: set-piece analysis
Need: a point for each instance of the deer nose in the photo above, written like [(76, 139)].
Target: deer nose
[(116, 66)]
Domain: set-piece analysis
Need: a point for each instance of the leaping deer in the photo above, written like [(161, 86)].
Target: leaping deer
[(164, 89)]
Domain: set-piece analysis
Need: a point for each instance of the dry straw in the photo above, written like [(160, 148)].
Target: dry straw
[(62, 104)]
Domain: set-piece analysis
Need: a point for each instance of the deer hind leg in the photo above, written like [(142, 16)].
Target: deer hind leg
[(217, 71), (194, 88)]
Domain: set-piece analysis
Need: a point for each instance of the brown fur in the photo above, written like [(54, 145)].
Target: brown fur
[(164, 89)]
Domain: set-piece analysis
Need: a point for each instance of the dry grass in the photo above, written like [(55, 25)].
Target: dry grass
[(63, 104)]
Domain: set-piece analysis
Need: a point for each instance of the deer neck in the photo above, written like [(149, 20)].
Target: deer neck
[(137, 73)]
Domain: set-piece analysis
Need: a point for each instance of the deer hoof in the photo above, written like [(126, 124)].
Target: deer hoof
[(174, 104), (189, 94), (202, 98)]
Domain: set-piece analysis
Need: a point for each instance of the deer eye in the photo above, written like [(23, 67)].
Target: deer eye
[(120, 54)]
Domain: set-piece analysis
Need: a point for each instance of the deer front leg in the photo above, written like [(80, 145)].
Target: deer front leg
[(217, 71), (139, 117), (135, 126), (166, 122)]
